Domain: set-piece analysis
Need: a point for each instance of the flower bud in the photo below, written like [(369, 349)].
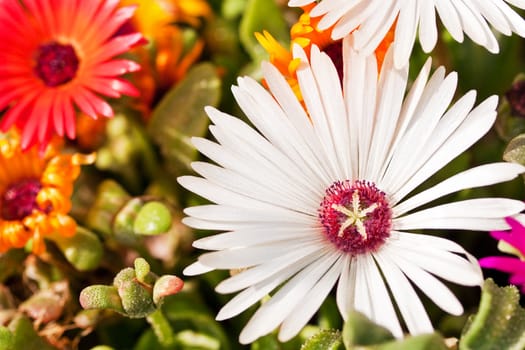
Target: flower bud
[(166, 285)]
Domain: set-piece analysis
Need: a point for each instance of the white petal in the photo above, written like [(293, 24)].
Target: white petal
[(361, 104), (362, 299), (346, 287), (315, 106), (274, 214), (265, 114), (293, 260), (425, 251), (517, 3), (247, 145), (407, 114), (277, 194), (427, 26), (298, 3), (391, 88), (407, 300), (200, 224), (220, 195), (516, 21), (251, 256), (432, 287), (254, 236), (462, 215), (340, 14), (310, 145), (493, 15), (450, 18), (372, 31), (274, 311), (483, 175), (330, 92), (477, 123), (476, 27), (311, 302), (196, 269), (256, 292), (406, 29), (383, 309), (410, 154)]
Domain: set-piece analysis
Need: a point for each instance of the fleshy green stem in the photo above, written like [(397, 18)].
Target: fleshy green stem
[(161, 327)]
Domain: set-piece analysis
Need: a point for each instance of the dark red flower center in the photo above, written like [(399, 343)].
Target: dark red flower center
[(19, 200), (335, 52), (56, 64), (356, 216)]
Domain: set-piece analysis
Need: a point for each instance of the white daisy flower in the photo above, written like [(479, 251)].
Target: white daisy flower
[(312, 199), (375, 17)]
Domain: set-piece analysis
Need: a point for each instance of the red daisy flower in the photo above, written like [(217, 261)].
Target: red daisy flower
[(57, 54)]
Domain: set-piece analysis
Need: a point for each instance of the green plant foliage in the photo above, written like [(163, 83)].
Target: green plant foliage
[(515, 151), (20, 334), (261, 15), (359, 333), (84, 250), (324, 340), (180, 115), (358, 330), (499, 323)]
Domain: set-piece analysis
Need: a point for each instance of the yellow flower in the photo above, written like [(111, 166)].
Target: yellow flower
[(35, 191), (152, 15), (305, 32), (170, 55)]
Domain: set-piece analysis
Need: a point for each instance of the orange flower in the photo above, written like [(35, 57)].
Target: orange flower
[(35, 192), (58, 54), (170, 54), (305, 32), (152, 15)]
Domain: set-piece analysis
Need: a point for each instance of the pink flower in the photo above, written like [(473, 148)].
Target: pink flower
[(58, 57), (515, 266)]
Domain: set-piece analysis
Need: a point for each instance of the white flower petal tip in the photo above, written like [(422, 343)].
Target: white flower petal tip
[(196, 269), (374, 18)]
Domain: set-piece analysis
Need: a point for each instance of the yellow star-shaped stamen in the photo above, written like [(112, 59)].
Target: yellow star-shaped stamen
[(355, 216)]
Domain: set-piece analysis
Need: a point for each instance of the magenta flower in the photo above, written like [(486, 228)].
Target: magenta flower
[(513, 265)]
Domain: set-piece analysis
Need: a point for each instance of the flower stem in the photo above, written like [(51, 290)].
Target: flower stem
[(161, 328)]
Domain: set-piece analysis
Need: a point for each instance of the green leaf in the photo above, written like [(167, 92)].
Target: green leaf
[(197, 341), (186, 310), (232, 8), (23, 336), (6, 338), (261, 15), (180, 115), (152, 219), (420, 342), (515, 151), (326, 339), (268, 342), (499, 323), (358, 330), (83, 250)]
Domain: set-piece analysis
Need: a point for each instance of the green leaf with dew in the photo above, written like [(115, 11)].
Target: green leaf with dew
[(499, 323)]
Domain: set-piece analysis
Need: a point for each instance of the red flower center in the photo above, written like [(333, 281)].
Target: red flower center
[(19, 200), (56, 64), (356, 216), (335, 52)]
